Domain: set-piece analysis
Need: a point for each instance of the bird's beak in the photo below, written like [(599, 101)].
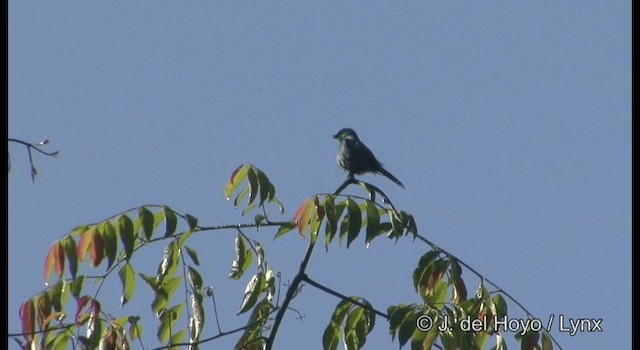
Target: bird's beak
[(336, 135)]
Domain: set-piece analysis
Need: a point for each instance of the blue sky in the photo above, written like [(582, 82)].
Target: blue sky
[(508, 122)]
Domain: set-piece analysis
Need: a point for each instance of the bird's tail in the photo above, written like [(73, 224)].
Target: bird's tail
[(384, 172)]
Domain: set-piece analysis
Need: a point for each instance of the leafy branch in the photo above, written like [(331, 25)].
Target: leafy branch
[(113, 242)]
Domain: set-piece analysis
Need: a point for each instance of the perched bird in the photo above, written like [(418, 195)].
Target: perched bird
[(356, 158)]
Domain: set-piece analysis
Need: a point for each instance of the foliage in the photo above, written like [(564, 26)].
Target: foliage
[(66, 314)]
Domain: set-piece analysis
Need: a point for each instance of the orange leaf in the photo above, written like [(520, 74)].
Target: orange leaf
[(85, 243), (54, 261)]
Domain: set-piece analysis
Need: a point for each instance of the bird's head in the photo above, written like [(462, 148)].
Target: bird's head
[(346, 134)]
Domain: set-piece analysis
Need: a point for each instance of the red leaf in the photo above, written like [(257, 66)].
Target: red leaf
[(233, 174), (27, 315), (96, 249)]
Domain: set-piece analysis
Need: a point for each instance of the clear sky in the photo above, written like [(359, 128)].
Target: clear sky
[(509, 122)]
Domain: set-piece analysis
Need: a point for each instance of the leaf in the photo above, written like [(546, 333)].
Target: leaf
[(303, 214), (251, 292), (331, 336), (284, 228), (423, 264), (191, 221), (27, 316), (96, 248), (135, 328), (355, 220), (333, 213), (241, 196), (126, 233), (253, 185), (59, 294), (110, 241), (146, 220), (459, 288), (237, 176), (407, 327), (195, 279), (316, 218), (54, 262), (69, 245), (85, 242), (179, 337), (171, 221), (259, 252), (373, 220), (251, 338), (243, 258), (197, 320), (267, 190), (169, 261), (193, 255), (128, 281), (76, 286)]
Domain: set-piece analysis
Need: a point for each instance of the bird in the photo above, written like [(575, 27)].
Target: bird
[(356, 158)]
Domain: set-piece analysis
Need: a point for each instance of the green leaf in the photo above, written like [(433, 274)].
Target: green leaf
[(259, 219), (241, 196), (197, 320), (110, 241), (195, 280), (267, 190), (253, 185), (252, 291), (179, 337), (373, 220), (333, 213), (407, 327), (251, 338), (248, 208), (164, 292), (171, 221), (500, 305), (183, 237), (396, 316), (355, 221), (423, 264), (358, 326), (459, 288), (126, 233), (193, 255), (243, 258), (128, 280), (135, 328), (284, 228), (76, 286), (331, 336), (61, 340), (59, 294), (259, 252), (169, 261), (191, 221), (69, 246), (317, 216), (146, 220)]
